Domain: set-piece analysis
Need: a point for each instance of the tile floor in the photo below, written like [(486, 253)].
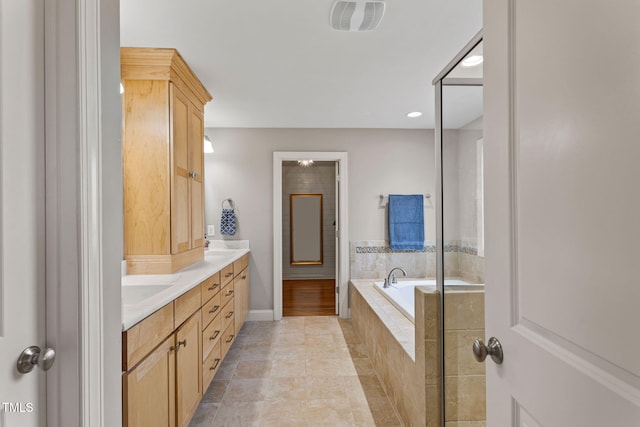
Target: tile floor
[(301, 371)]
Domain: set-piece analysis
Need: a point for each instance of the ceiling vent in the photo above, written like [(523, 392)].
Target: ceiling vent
[(357, 15)]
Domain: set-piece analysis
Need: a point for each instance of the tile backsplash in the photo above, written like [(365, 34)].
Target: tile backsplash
[(372, 259)]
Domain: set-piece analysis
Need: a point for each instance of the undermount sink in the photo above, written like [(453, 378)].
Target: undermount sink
[(133, 294)]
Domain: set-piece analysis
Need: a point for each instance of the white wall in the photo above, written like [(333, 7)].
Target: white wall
[(380, 161)]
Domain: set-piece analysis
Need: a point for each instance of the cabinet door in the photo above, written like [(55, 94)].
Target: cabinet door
[(180, 179), (148, 391), (241, 298), (196, 165), (188, 368)]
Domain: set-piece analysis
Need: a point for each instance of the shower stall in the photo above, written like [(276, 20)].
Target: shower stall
[(460, 235)]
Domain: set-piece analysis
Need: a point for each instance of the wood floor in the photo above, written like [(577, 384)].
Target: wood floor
[(314, 297)]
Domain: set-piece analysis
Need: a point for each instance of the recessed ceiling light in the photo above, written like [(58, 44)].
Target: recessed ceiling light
[(414, 114), (472, 61)]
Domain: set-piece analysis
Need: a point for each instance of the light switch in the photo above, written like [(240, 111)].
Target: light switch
[(211, 230)]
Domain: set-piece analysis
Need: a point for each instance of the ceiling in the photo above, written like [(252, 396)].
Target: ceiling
[(280, 64)]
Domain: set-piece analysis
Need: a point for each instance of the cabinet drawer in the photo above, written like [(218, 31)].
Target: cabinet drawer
[(143, 337), (211, 336), (226, 295), (226, 275), (227, 314), (240, 264), (211, 365), (186, 305), (227, 339), (210, 287), (211, 309)]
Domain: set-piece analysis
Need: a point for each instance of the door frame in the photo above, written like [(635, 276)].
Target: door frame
[(342, 281), (439, 82), (83, 211)]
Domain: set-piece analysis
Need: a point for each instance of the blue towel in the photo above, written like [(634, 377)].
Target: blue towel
[(228, 222), (406, 222)]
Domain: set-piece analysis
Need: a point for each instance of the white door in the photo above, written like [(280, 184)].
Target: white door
[(562, 205), (22, 398)]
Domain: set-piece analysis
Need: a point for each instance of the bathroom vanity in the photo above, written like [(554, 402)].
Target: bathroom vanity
[(177, 329)]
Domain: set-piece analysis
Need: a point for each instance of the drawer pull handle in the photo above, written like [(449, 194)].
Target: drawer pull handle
[(213, 288), (230, 338), (214, 309), (229, 274), (215, 365), (214, 336), (183, 343), (228, 294), (229, 314), (244, 277)]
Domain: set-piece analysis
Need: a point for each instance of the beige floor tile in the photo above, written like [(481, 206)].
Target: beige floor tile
[(204, 415), (289, 352), (290, 339), (319, 340), (248, 390), (329, 413), (238, 414), (285, 389), (330, 367), (327, 352), (284, 413), (325, 388), (256, 352), (288, 368), (226, 371), (215, 392), (253, 369)]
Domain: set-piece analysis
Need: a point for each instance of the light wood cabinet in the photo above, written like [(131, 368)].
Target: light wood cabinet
[(170, 358), (241, 298), (149, 389), (188, 369), (163, 170)]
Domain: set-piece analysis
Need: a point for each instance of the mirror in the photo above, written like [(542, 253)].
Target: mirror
[(306, 229)]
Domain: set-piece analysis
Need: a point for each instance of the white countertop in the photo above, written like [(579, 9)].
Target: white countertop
[(146, 293)]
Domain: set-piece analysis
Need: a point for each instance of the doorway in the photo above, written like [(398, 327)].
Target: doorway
[(311, 280), (309, 220)]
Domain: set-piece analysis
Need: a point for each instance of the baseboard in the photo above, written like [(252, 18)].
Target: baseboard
[(260, 315)]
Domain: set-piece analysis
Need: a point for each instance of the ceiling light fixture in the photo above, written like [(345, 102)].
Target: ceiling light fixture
[(414, 114), (472, 61), (305, 163), (208, 145)]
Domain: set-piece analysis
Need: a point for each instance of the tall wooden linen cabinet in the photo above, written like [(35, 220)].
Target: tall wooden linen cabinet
[(163, 164)]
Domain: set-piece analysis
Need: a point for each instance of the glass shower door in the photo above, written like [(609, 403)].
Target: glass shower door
[(461, 236)]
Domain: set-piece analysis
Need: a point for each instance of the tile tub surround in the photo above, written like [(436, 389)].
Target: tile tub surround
[(405, 357), (465, 395), (300, 371)]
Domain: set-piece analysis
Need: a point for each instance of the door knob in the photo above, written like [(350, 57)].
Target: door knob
[(32, 356), (493, 349)]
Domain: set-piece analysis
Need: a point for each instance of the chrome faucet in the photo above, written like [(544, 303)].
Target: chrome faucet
[(391, 277)]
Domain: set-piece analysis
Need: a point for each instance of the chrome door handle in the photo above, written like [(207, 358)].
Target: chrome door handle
[(493, 349), (32, 356)]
